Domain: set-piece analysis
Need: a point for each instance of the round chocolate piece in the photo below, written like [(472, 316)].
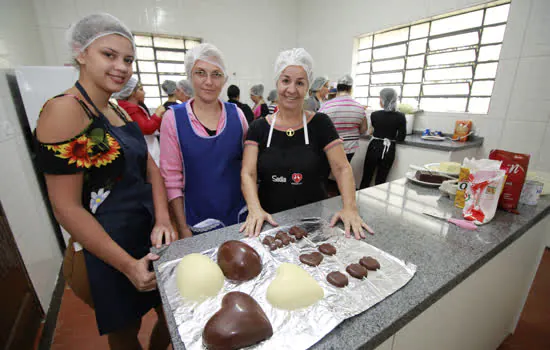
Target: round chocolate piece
[(239, 323), (312, 259), (327, 249), (357, 271), (370, 263), (337, 279), (239, 261)]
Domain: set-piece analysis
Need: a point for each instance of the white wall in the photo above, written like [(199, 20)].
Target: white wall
[(19, 189), (519, 115), (250, 33)]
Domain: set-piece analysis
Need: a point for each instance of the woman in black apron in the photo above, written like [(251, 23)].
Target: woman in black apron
[(290, 154), (104, 187)]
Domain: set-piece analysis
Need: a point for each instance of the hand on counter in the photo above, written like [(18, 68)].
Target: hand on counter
[(140, 276), (254, 222), (351, 219), (163, 230)]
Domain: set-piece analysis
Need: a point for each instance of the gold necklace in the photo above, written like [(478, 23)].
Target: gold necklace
[(290, 131)]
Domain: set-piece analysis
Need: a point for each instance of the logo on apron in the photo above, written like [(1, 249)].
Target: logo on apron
[(296, 179)]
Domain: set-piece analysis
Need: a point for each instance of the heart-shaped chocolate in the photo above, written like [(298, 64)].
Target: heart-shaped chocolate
[(239, 261), (338, 279), (284, 237), (239, 323), (370, 263), (327, 249), (297, 232), (357, 271), (293, 288), (312, 259)]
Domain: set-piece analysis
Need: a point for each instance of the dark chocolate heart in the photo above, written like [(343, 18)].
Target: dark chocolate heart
[(357, 271), (283, 237), (239, 261), (337, 279), (239, 323), (370, 263), (297, 232), (312, 259), (268, 240), (327, 249)]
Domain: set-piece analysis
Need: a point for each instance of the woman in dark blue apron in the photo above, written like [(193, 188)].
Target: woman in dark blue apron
[(290, 155), (104, 187)]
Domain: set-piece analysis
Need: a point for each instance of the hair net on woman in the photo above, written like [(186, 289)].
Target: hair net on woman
[(257, 90), (294, 57), (127, 90), (169, 86), (318, 83), (207, 53), (389, 99), (346, 80), (84, 32), (272, 97), (186, 87)]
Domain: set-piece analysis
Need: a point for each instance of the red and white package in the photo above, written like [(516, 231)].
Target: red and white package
[(482, 195), (515, 165)]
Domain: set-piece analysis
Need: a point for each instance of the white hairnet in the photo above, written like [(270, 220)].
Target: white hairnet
[(273, 95), (127, 90), (346, 80), (207, 53), (294, 57), (257, 90), (389, 99), (318, 83), (84, 32), (186, 87), (169, 86)]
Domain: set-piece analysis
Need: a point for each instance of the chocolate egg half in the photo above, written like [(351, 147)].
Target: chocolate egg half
[(239, 261)]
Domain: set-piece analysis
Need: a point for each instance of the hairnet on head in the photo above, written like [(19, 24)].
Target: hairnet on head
[(127, 90), (257, 90), (272, 97), (169, 86), (294, 57), (318, 83), (346, 80), (186, 87), (84, 32), (389, 99), (207, 53)]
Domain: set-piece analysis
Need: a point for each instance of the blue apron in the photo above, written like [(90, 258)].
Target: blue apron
[(127, 215), (212, 170)]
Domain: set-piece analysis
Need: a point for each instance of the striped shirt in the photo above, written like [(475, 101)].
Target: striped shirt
[(346, 115)]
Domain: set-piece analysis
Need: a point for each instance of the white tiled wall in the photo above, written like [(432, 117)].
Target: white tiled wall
[(519, 115)]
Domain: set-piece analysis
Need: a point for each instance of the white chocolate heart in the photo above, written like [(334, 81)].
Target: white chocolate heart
[(198, 277), (293, 288)]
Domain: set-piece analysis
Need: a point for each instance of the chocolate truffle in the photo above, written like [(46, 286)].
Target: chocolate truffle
[(239, 323), (239, 261), (370, 263), (337, 279), (312, 259), (357, 271), (327, 249)]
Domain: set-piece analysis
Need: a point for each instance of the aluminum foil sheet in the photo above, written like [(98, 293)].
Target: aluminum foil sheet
[(298, 329)]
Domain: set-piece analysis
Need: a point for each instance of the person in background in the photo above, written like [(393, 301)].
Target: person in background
[(184, 90), (131, 98), (288, 155), (272, 98), (348, 116), (317, 94), (170, 87), (389, 126), (234, 96), (104, 187), (207, 136), (260, 108)]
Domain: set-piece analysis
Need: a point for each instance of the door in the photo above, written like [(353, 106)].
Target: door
[(21, 311)]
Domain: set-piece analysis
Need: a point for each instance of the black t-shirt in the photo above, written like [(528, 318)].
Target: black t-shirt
[(390, 125), (169, 103), (248, 114)]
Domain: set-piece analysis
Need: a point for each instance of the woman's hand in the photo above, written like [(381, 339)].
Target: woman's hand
[(160, 111), (351, 219), (254, 222), (138, 273), (163, 230)]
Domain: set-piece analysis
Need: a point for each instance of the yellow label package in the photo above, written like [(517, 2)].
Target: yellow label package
[(460, 198)]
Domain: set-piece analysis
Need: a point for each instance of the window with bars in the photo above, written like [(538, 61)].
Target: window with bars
[(446, 64), (160, 58)]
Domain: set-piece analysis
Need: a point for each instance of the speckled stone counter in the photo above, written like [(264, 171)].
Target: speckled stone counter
[(416, 140), (444, 254)]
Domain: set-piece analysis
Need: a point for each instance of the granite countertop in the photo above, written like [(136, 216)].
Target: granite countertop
[(416, 140), (444, 254)]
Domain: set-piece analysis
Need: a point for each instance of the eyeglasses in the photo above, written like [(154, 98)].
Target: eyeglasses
[(203, 75)]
